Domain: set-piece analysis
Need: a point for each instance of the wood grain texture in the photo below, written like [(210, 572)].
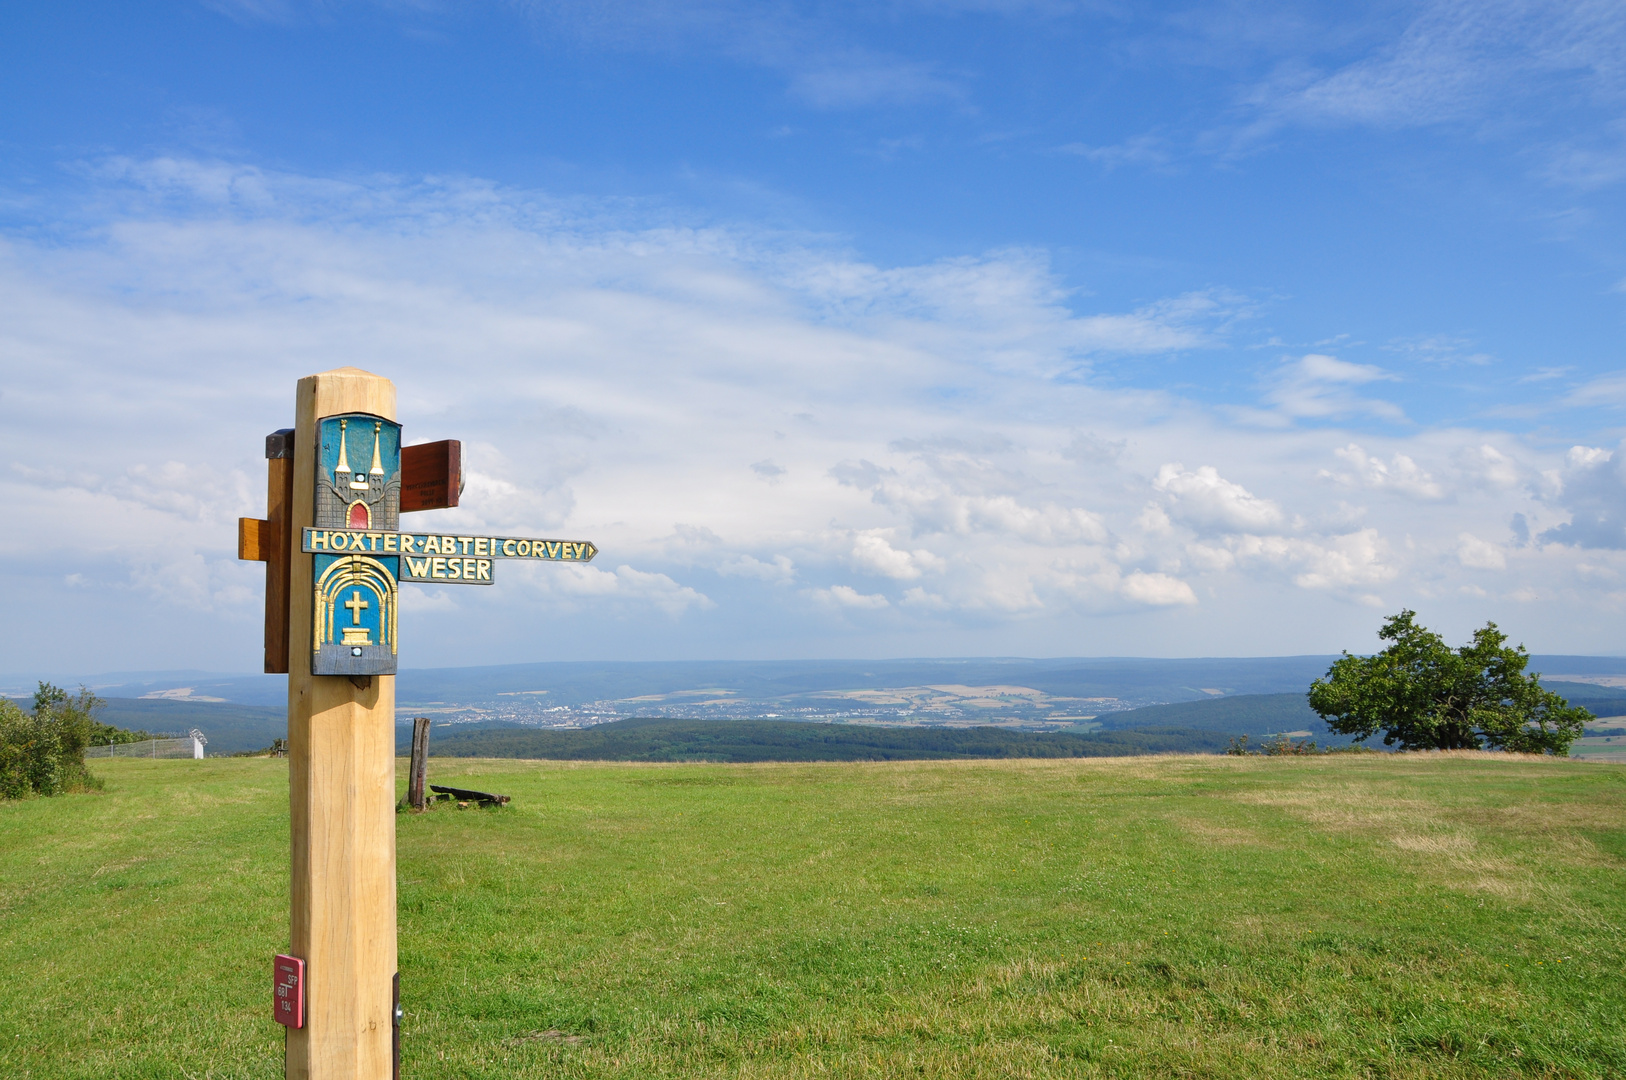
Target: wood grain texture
[(279, 504), (419, 771), (341, 782), (256, 539), (431, 475)]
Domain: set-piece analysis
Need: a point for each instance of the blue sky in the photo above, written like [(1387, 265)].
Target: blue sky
[(844, 330)]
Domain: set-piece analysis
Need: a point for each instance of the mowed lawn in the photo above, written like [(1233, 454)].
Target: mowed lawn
[(1384, 916)]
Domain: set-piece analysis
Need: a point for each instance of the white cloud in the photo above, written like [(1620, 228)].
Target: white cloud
[(1358, 559), (1587, 457), (872, 552), (944, 498), (1154, 519), (780, 570), (1316, 386), (1209, 502), (1477, 554), (1487, 466), (845, 596), (1591, 489), (612, 374), (919, 598), (1157, 589), (622, 585), (1007, 312), (1400, 474)]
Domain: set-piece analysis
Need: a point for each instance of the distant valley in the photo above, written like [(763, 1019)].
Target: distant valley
[(1023, 697)]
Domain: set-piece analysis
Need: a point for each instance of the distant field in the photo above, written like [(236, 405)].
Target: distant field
[(1393, 916), (1600, 748)]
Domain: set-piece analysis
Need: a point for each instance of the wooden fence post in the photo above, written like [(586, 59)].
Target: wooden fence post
[(420, 762)]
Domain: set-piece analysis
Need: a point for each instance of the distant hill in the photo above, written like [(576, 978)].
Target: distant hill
[(235, 726), (1126, 678), (1602, 700), (1244, 714), (788, 740), (1129, 679), (575, 682), (1269, 714), (230, 728)]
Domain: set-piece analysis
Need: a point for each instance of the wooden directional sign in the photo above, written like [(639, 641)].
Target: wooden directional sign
[(443, 559), (430, 478), (360, 557), (431, 475), (357, 570), (335, 556)]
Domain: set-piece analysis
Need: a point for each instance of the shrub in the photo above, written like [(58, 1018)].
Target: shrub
[(110, 735), (1276, 746), (278, 748), (43, 752)]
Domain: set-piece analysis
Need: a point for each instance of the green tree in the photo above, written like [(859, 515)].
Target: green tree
[(1424, 695), (50, 700), (43, 752)]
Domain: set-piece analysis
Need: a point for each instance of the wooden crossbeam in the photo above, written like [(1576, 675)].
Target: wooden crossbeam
[(268, 540), (256, 539)]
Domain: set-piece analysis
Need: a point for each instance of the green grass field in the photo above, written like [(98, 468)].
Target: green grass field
[(1601, 747), (1360, 916)]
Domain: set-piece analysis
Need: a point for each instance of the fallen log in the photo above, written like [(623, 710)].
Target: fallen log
[(484, 798)]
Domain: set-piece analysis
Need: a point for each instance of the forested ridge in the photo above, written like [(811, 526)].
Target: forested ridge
[(660, 739)]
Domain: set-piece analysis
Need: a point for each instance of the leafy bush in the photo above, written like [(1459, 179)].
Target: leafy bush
[(1276, 746), (112, 735), (43, 752), (278, 748)]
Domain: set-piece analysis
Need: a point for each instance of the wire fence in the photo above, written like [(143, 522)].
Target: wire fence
[(186, 746)]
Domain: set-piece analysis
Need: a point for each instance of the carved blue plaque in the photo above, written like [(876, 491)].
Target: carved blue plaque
[(358, 488)]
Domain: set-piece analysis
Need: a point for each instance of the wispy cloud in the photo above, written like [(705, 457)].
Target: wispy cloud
[(1458, 56), (824, 63), (1440, 349), (1147, 151), (1316, 386), (856, 79)]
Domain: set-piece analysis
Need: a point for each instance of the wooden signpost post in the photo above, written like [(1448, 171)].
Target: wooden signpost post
[(335, 555)]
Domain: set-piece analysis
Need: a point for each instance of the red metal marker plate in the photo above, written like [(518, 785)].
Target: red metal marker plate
[(289, 1002)]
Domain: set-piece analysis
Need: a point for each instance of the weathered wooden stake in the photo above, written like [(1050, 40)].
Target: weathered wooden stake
[(420, 762), (341, 780), (279, 504)]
